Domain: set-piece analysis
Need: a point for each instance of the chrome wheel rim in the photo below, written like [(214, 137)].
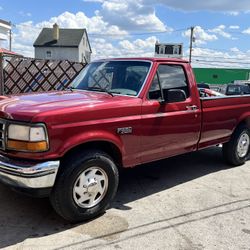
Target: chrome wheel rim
[(90, 187), (243, 145)]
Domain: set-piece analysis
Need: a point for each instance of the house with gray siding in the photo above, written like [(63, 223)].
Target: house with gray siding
[(63, 44)]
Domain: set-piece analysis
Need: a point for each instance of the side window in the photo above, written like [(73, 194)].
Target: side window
[(168, 77), (172, 77), (155, 90)]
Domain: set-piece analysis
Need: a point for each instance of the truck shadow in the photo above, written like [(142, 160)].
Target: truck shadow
[(151, 178), (23, 217)]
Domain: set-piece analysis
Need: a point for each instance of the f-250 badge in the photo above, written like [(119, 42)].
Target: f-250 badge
[(126, 130)]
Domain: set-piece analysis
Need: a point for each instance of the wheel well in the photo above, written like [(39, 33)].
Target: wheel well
[(107, 147), (245, 122)]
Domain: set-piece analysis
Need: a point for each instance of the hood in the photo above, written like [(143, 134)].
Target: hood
[(29, 106)]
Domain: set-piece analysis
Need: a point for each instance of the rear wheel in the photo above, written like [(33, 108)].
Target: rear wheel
[(236, 151), (85, 186)]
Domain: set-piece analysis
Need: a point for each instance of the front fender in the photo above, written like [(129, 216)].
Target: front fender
[(91, 136)]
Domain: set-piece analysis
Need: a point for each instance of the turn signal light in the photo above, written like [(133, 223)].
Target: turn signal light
[(27, 146)]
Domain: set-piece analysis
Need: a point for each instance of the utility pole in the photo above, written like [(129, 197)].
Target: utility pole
[(191, 43), (1, 75), (10, 41)]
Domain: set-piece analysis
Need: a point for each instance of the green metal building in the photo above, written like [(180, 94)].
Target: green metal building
[(220, 76)]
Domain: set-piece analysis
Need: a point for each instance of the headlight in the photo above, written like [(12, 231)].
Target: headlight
[(27, 138)]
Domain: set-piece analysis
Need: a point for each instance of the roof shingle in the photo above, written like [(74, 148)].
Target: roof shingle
[(67, 38)]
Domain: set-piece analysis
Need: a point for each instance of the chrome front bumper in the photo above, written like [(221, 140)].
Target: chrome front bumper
[(22, 174)]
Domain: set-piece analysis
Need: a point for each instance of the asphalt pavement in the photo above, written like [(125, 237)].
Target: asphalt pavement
[(193, 201)]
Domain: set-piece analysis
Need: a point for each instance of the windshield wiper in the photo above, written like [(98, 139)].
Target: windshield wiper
[(100, 90)]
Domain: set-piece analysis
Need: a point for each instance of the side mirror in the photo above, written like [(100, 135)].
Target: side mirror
[(176, 95)]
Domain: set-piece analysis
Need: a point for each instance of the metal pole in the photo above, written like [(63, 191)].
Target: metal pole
[(10, 42), (1, 75), (191, 44)]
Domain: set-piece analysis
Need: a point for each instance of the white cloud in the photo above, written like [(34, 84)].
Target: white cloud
[(234, 27), (24, 36), (246, 31), (114, 21), (26, 33), (93, 1), (212, 5), (125, 48), (139, 45), (220, 30), (200, 35), (234, 58), (127, 45), (24, 14), (228, 7), (231, 7), (103, 40), (131, 15), (235, 49), (115, 6), (233, 13), (94, 24)]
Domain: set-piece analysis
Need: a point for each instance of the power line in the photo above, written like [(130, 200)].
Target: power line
[(217, 65), (212, 49), (138, 34), (215, 49), (226, 31), (219, 57), (213, 62), (238, 62)]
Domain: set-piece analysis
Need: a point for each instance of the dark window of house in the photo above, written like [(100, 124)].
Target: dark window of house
[(48, 54)]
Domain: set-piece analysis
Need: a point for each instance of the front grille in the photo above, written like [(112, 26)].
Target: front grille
[(2, 134)]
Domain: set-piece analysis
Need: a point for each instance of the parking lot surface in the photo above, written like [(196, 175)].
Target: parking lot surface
[(193, 201)]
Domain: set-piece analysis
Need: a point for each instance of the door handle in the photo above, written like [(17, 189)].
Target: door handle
[(192, 107)]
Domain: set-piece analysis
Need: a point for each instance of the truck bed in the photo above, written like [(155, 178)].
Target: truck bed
[(220, 116)]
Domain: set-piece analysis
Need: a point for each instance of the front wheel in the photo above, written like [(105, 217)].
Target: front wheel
[(86, 185), (236, 151)]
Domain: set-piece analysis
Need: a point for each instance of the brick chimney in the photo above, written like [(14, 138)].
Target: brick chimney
[(55, 32)]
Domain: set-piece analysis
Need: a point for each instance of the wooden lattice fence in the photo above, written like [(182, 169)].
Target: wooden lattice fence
[(22, 75)]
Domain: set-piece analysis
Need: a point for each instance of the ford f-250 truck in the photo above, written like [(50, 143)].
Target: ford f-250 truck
[(118, 113)]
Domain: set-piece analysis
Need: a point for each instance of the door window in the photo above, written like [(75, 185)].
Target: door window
[(166, 78)]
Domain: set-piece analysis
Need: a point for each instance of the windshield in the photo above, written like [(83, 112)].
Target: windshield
[(118, 77)]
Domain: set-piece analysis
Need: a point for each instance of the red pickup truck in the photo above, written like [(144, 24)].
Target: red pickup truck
[(118, 113)]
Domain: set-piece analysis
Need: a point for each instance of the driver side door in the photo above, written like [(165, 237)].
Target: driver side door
[(169, 128)]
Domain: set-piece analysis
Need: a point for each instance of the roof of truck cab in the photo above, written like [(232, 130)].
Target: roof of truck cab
[(153, 59)]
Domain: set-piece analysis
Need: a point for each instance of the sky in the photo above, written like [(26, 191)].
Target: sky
[(131, 27)]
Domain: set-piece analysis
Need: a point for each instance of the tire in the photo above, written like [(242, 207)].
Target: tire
[(90, 174), (236, 151)]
